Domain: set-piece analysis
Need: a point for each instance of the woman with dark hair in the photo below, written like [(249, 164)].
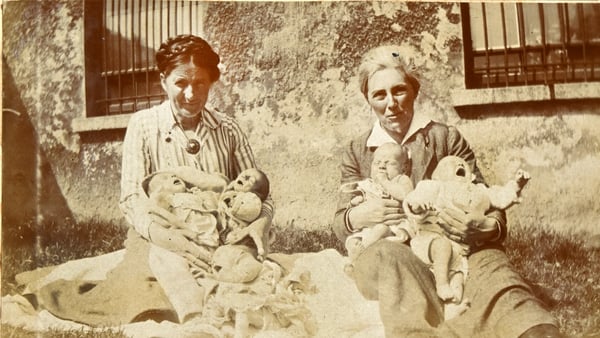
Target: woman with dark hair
[(182, 131), (153, 279), (501, 303)]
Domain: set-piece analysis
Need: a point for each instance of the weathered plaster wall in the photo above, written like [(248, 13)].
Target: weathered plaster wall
[(290, 81), (43, 50)]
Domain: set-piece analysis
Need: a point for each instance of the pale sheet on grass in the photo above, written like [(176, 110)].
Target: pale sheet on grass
[(337, 307)]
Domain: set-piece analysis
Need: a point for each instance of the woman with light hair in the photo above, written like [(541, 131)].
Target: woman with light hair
[(501, 303)]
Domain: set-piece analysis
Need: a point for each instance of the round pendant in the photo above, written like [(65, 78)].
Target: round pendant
[(192, 147)]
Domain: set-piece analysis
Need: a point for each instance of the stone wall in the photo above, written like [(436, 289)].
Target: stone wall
[(290, 81)]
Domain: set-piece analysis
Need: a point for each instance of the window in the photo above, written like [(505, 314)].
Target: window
[(121, 38), (516, 44)]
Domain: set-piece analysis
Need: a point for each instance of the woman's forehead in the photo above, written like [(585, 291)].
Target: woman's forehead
[(190, 70), (387, 77)]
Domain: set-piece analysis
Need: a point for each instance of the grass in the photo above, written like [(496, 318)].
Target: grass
[(560, 270), (57, 243), (563, 273), (9, 331)]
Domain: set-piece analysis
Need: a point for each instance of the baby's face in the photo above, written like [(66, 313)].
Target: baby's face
[(453, 168), (388, 161), (247, 181), (165, 182)]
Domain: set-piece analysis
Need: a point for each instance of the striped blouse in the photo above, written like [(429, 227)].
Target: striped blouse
[(154, 142)]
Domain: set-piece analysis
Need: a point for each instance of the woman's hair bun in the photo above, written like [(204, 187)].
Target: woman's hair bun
[(183, 48)]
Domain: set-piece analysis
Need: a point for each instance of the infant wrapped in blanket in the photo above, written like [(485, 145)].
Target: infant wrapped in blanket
[(251, 292), (210, 207)]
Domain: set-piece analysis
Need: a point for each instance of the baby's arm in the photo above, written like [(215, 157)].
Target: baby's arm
[(256, 238), (238, 210), (398, 187), (200, 179), (502, 197), (422, 199), (405, 230), (377, 232), (353, 189)]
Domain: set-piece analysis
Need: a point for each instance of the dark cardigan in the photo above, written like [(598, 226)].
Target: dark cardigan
[(427, 146)]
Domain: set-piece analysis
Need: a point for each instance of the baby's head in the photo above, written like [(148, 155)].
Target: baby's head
[(163, 182), (391, 159), (453, 168), (243, 205), (252, 180)]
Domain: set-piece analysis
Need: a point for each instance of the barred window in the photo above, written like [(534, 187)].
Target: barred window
[(121, 38), (516, 44)]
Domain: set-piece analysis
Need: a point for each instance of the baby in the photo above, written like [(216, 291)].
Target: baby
[(451, 186), (210, 206), (389, 179), (187, 199), (241, 203), (247, 289), (271, 301), (250, 288)]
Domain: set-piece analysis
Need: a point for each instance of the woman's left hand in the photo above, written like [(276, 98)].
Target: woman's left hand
[(257, 230), (467, 227)]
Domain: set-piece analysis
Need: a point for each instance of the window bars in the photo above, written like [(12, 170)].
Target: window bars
[(122, 37), (516, 44)]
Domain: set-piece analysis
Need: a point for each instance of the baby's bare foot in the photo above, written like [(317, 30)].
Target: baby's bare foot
[(445, 292), (452, 310)]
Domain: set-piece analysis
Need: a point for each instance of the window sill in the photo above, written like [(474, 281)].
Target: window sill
[(559, 91), (86, 124)]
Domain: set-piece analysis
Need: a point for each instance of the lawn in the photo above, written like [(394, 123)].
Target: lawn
[(562, 272)]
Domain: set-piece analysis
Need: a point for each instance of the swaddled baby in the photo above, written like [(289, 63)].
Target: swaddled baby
[(211, 207), (187, 198)]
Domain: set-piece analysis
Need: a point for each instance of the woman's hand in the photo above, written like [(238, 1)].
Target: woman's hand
[(376, 211), (179, 242), (467, 228)]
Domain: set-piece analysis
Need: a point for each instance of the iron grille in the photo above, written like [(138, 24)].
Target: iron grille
[(122, 37), (516, 44)]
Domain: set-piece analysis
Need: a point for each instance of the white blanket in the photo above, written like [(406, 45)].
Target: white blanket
[(337, 307)]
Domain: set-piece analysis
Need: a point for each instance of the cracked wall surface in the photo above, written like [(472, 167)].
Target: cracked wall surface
[(290, 80)]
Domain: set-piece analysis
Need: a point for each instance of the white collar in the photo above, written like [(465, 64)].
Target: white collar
[(379, 136)]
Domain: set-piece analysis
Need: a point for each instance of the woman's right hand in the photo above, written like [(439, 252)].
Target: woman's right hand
[(376, 211), (179, 241)]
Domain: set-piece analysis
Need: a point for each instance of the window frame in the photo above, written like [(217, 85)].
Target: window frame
[(123, 81), (524, 73)]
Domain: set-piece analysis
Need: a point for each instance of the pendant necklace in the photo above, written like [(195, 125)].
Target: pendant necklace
[(192, 146)]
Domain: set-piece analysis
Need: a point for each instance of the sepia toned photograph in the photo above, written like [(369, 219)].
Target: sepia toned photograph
[(182, 168)]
